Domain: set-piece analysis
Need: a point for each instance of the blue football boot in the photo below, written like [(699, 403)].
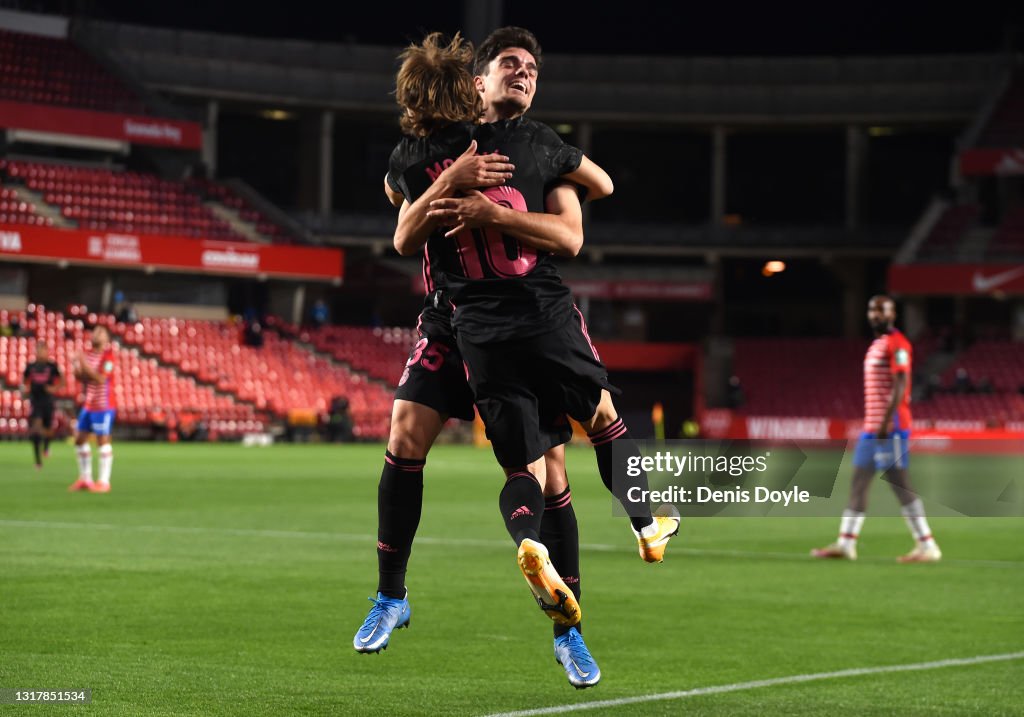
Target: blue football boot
[(386, 615), (572, 654)]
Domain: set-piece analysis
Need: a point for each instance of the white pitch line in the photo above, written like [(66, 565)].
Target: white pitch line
[(757, 684), (446, 542), (262, 533)]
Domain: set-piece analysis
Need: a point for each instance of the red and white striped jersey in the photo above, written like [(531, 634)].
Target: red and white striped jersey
[(888, 355), (99, 396)]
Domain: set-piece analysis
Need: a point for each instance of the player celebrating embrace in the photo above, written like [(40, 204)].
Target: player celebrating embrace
[(883, 444), (42, 380), (95, 369)]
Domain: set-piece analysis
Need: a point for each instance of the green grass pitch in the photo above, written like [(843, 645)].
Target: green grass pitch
[(220, 580)]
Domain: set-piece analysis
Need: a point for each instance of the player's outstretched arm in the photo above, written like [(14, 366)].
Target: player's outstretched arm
[(467, 172), (558, 231), (596, 181)]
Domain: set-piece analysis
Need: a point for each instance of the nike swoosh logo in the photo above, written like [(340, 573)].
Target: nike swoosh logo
[(583, 674), (982, 283), (364, 640)]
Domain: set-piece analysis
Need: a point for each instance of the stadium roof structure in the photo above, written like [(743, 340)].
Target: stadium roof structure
[(696, 90)]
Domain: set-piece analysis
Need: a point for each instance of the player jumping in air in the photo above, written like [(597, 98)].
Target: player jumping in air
[(883, 446), (519, 298), (433, 385), (95, 369), (42, 380), (525, 344)]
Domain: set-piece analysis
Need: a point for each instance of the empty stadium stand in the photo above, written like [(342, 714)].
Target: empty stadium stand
[(121, 201), (822, 377), (15, 210), (53, 71), (949, 230), (1005, 128), (246, 212), (277, 377), (379, 352), (142, 385), (1008, 240)]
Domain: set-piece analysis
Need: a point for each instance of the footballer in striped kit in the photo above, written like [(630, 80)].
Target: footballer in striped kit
[(883, 443), (95, 369)]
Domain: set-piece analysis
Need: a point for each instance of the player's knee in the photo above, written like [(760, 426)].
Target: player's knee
[(556, 481), (406, 440), (406, 445), (535, 470), (604, 416)]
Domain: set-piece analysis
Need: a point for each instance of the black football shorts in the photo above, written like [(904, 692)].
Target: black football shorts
[(434, 375), (43, 410), (525, 387)]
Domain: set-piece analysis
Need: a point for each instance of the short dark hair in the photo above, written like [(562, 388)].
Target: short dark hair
[(501, 39)]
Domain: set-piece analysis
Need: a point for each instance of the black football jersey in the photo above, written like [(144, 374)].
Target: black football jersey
[(40, 375), (499, 288)]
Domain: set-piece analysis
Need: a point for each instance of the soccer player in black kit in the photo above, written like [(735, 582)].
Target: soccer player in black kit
[(524, 342), (498, 260), (433, 385), (42, 380)]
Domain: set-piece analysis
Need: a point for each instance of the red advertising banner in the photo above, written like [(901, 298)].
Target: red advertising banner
[(988, 162), (695, 290), (957, 279), (105, 125), (145, 251), (643, 356), (930, 436)]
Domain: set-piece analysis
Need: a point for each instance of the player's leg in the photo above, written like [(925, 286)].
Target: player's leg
[(105, 449), (414, 428), (926, 550), (560, 533), (432, 387), (103, 428), (571, 361), (47, 430), (522, 506), (607, 431), (83, 452), (35, 433), (845, 546), (510, 409)]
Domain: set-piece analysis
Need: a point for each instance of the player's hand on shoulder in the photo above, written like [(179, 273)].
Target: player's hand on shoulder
[(471, 211), (473, 170)]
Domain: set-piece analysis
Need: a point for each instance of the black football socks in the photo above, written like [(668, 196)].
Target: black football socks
[(560, 535), (399, 503), (36, 440), (522, 506), (603, 440)]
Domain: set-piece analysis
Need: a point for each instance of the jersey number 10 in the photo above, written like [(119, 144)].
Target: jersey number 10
[(503, 255)]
